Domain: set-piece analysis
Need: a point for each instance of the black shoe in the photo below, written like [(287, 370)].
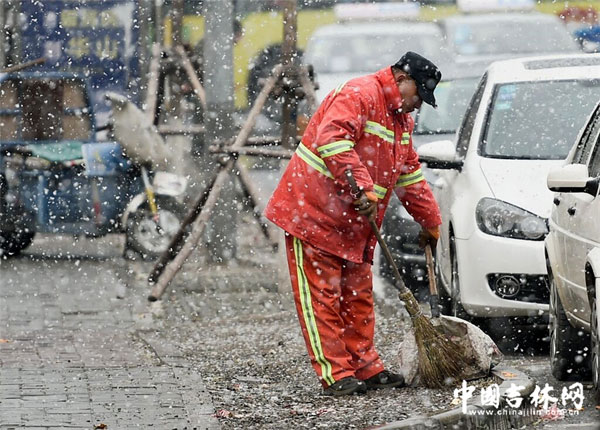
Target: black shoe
[(385, 379), (349, 385)]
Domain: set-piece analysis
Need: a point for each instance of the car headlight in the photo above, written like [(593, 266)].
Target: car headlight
[(499, 218)]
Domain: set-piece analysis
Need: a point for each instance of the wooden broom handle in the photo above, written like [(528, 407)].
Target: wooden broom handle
[(434, 299), (399, 284)]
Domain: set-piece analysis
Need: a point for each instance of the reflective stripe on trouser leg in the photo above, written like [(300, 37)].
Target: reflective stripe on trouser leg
[(309, 316), (315, 276), (359, 318)]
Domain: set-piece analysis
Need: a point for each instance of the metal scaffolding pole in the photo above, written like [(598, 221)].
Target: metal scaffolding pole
[(177, 21), (158, 21), (3, 44), (218, 120), (289, 50), (145, 44)]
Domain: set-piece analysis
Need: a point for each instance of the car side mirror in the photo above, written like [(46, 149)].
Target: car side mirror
[(440, 154), (572, 178)]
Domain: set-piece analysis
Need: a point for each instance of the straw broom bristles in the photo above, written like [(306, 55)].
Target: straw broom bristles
[(440, 359)]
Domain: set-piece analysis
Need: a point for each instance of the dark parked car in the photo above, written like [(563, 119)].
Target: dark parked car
[(399, 228)]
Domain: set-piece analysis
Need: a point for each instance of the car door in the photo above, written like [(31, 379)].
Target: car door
[(444, 193), (579, 212), (560, 218), (582, 237)]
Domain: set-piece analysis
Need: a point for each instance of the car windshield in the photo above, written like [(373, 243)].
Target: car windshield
[(538, 120), (452, 98), (364, 53), (508, 37)]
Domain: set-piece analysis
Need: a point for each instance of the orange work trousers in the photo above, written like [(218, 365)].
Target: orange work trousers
[(334, 300)]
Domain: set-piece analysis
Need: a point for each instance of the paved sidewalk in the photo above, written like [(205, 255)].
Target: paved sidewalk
[(72, 355)]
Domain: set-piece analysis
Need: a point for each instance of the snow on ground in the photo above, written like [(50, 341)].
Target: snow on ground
[(240, 329)]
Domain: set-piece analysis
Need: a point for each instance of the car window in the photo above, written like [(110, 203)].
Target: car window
[(466, 128), (588, 138), (452, 98), (537, 120), (506, 37), (366, 53)]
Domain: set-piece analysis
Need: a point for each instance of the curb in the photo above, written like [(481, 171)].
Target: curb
[(474, 418)]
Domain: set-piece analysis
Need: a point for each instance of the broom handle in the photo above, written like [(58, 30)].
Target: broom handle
[(434, 298), (399, 284)]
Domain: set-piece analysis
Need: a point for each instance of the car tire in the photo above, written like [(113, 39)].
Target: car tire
[(445, 299), (566, 341), (595, 346), (452, 305), (19, 225), (12, 243), (141, 234)]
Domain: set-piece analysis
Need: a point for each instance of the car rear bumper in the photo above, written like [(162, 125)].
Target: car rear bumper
[(482, 258)]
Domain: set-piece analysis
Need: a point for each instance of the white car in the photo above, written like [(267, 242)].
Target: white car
[(521, 122), (488, 36), (339, 52), (573, 255)]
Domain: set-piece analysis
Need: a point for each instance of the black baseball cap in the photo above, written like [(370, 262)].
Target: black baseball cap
[(424, 72)]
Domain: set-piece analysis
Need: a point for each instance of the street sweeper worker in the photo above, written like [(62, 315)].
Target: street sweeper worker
[(363, 126)]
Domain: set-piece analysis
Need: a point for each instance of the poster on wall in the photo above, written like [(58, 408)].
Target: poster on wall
[(97, 38)]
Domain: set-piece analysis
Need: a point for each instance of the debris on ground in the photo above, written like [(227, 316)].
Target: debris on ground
[(243, 338)]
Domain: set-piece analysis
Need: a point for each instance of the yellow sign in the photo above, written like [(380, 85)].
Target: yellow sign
[(261, 29)]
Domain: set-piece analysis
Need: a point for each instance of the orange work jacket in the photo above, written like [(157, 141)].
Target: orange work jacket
[(357, 127)]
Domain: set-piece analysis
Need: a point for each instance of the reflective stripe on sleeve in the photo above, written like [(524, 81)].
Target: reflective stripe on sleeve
[(338, 89), (379, 130), (312, 160), (335, 148), (309, 316), (409, 178), (380, 191), (319, 165), (405, 138)]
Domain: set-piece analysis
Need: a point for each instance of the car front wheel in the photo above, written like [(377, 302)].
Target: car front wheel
[(452, 305), (567, 344)]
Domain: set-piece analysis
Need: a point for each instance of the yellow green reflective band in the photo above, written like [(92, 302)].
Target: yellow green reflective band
[(319, 165), (312, 160), (380, 191), (379, 131), (338, 89), (335, 148), (309, 315), (405, 138), (410, 178)]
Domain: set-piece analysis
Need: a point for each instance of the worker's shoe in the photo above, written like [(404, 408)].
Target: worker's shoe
[(385, 379), (349, 385)]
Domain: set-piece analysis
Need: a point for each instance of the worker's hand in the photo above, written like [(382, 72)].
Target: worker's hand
[(429, 236), (366, 204)]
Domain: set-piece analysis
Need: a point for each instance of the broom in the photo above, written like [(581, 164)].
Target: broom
[(440, 359)]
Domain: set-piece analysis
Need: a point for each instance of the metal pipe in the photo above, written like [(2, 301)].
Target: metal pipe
[(158, 22), (270, 153), (177, 22), (289, 51), (2, 34)]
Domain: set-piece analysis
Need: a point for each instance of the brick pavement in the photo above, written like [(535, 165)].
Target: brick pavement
[(72, 355)]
